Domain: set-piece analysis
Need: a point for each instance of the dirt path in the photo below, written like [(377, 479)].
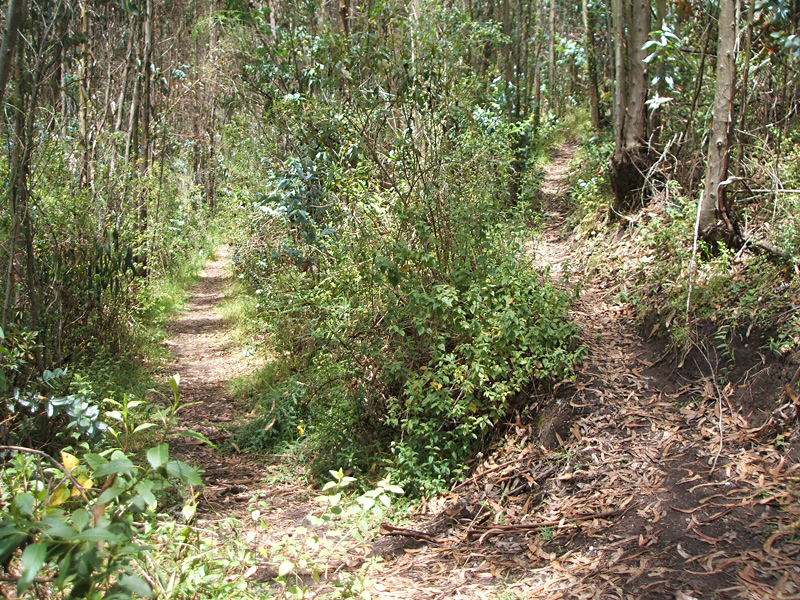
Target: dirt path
[(207, 359), (614, 485), (609, 486)]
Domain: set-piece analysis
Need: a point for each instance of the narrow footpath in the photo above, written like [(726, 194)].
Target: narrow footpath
[(207, 358)]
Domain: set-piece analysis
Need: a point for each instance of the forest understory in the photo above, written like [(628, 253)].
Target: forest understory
[(638, 478), (399, 299)]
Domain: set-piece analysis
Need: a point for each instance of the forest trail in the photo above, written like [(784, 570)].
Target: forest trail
[(207, 358), (613, 485)]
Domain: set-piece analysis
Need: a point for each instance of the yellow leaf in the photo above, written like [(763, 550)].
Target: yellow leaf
[(70, 461), (59, 496), (85, 482)]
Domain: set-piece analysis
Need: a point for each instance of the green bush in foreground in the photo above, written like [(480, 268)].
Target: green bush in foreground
[(76, 517), (398, 361)]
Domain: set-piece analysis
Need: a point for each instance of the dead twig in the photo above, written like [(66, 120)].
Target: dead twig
[(52, 460), (387, 529), (490, 531), (475, 478)]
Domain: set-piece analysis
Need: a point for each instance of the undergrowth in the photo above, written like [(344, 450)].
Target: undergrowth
[(401, 324), (649, 254)]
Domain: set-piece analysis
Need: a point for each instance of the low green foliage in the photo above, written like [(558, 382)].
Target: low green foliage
[(345, 520), (733, 291), (401, 355), (95, 520), (382, 253)]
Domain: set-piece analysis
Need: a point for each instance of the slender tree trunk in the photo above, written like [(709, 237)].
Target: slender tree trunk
[(14, 18), (630, 159), (713, 206), (620, 87), (83, 111), (144, 151), (591, 66), (24, 116), (636, 113), (748, 50), (13, 21), (551, 58)]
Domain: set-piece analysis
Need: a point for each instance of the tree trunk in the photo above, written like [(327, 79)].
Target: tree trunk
[(636, 113), (713, 206), (591, 66), (83, 109), (144, 152), (630, 159), (13, 20), (551, 58)]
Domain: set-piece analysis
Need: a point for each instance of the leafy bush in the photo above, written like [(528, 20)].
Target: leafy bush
[(77, 515), (401, 356), (462, 351)]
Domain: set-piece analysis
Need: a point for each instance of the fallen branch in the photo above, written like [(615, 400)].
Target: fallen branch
[(770, 249), (387, 529), (475, 478), (491, 531)]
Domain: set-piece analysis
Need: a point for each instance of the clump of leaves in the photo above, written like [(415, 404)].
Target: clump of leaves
[(76, 516)]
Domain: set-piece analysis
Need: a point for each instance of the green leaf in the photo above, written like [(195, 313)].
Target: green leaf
[(198, 436), (80, 519), (188, 511), (136, 585), (285, 568), (33, 558), (97, 534), (186, 474), (158, 456), (95, 461), (10, 542), (120, 465), (174, 383), (143, 426), (56, 528), (110, 494), (367, 503), (145, 490), (23, 504)]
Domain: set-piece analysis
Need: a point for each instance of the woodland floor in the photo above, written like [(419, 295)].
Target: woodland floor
[(639, 479)]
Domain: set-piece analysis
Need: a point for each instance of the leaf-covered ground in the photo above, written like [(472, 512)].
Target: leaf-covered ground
[(639, 479)]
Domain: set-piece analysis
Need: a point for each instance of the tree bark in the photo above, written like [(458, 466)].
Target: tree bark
[(636, 113), (591, 66), (551, 57), (713, 206), (83, 109), (13, 21), (144, 151), (629, 162)]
